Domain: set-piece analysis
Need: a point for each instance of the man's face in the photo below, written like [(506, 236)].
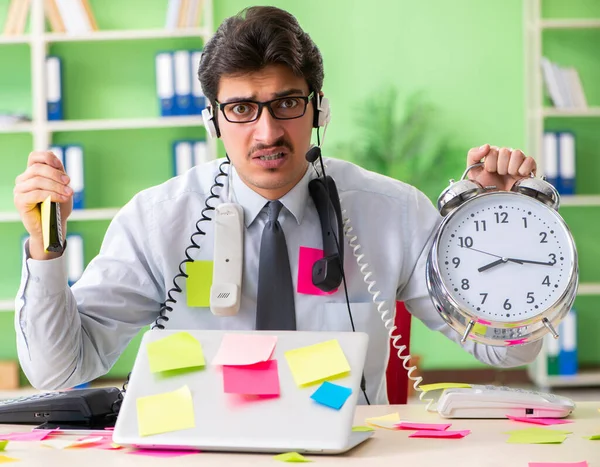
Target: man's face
[(268, 153)]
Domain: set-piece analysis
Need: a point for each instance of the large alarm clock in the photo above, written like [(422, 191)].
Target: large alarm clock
[(503, 267)]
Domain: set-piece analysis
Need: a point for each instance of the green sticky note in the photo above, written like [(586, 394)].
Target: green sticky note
[(291, 457), (198, 283), (536, 438), (362, 428), (593, 437), (3, 443), (174, 352)]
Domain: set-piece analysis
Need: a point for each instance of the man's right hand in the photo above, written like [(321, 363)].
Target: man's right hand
[(45, 176)]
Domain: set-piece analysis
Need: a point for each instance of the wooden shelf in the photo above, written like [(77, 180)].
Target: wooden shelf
[(580, 200), (127, 35), (570, 24), (77, 215), (124, 123), (24, 127), (574, 112)]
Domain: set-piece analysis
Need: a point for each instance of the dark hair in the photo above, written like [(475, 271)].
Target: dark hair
[(255, 38)]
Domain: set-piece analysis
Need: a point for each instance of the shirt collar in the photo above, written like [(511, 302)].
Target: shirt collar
[(294, 200)]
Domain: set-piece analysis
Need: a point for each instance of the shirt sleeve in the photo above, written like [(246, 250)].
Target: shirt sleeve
[(68, 336), (425, 220)]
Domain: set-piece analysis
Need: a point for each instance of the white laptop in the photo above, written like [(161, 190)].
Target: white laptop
[(228, 422)]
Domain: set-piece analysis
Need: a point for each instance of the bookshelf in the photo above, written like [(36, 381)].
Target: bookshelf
[(40, 133), (575, 208)]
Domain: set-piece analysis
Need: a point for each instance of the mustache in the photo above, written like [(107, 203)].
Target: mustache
[(280, 143)]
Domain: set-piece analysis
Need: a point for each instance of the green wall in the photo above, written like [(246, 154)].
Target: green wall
[(467, 55)]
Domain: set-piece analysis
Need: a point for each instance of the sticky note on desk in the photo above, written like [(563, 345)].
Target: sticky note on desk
[(166, 412), (260, 379), (532, 437), (175, 352), (244, 349), (198, 283), (423, 426), (3, 444), (559, 464), (291, 457), (439, 434), (315, 363), (6, 459), (593, 437), (539, 421), (386, 421), (331, 395)]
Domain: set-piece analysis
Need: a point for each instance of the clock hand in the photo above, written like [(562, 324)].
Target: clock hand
[(521, 261), (481, 251), (492, 264)]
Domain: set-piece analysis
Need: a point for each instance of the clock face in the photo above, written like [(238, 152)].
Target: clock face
[(505, 257)]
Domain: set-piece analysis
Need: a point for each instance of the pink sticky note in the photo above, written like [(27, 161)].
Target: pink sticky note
[(244, 349), (260, 379), (423, 426), (161, 453), (439, 434), (559, 464), (306, 258), (540, 421), (37, 435)]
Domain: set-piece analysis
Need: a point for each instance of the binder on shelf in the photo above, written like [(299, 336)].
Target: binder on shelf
[(165, 83), (54, 87), (550, 151), (567, 356), (201, 153), (74, 167), (183, 82), (566, 157), (198, 99), (552, 351), (172, 14), (183, 158), (75, 16), (74, 252)]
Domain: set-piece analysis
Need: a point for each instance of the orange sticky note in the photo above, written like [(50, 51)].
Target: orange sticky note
[(244, 349)]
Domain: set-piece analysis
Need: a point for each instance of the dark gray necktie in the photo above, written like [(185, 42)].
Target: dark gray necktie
[(275, 300)]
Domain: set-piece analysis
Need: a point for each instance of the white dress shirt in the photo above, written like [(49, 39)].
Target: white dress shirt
[(67, 336)]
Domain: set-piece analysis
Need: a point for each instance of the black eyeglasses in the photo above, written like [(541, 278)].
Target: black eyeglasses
[(282, 108)]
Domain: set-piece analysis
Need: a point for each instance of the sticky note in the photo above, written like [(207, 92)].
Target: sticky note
[(291, 457), (198, 283), (306, 259), (331, 395), (386, 421), (439, 434), (362, 428), (174, 352), (166, 412), (3, 443), (559, 464), (315, 363), (536, 430), (45, 213), (65, 443), (423, 426), (35, 435), (540, 421), (6, 459), (244, 349), (162, 453), (536, 437), (593, 437), (432, 387), (260, 379)]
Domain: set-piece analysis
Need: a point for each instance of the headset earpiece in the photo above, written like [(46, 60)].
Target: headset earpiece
[(210, 123), (322, 111)]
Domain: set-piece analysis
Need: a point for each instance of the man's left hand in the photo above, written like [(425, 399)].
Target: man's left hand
[(502, 166)]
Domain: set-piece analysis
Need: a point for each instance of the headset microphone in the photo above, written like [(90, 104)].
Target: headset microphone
[(313, 154)]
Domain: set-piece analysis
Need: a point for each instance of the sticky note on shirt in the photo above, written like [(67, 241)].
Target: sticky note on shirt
[(260, 379), (174, 352), (315, 363), (244, 349), (198, 283), (166, 412), (331, 395), (291, 457), (306, 259)]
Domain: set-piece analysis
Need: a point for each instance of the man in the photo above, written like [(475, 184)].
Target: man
[(263, 78)]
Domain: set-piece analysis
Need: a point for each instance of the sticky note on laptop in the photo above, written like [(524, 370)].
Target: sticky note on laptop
[(260, 379), (166, 412), (244, 349), (315, 363), (175, 352)]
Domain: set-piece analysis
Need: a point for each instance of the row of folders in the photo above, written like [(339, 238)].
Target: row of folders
[(177, 86), (559, 161)]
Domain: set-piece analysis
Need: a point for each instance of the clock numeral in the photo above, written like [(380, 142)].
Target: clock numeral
[(507, 305), (465, 284), (484, 297), (530, 298), (546, 281), (544, 235), (553, 258), (524, 222), (501, 217), (483, 225), (465, 242), (456, 261)]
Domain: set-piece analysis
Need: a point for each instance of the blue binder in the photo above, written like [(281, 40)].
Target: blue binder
[(165, 83), (54, 88), (567, 356), (566, 158), (183, 82), (198, 98)]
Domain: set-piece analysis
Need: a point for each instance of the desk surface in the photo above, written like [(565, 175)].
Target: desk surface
[(485, 446)]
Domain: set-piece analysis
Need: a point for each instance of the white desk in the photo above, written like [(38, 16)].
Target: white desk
[(485, 447)]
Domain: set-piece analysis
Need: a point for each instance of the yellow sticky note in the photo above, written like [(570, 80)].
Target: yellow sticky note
[(386, 421), (315, 363), (536, 438), (362, 428), (291, 457), (432, 387), (163, 413), (198, 283), (45, 219), (6, 459), (3, 443), (179, 350)]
